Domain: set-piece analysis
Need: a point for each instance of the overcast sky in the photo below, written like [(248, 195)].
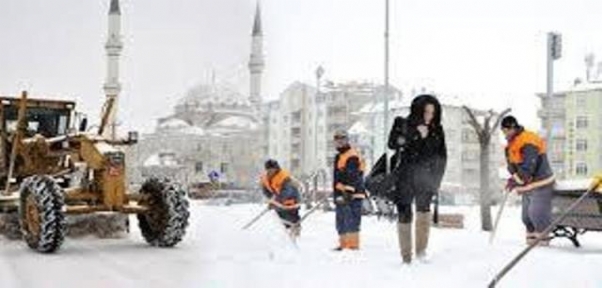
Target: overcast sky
[(478, 50)]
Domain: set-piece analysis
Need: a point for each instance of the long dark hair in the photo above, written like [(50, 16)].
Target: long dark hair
[(417, 110)]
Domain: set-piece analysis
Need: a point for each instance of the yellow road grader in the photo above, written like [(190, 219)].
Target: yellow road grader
[(49, 168)]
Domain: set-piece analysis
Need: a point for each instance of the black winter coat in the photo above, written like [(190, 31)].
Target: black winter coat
[(419, 162)]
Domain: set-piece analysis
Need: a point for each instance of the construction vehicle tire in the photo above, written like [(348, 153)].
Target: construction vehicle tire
[(41, 213), (165, 222)]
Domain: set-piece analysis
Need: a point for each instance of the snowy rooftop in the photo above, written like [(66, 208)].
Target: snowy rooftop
[(173, 123), (358, 128), (581, 87), (216, 94), (236, 122), (163, 159), (406, 102)]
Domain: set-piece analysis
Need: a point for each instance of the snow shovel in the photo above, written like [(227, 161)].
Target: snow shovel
[(498, 216), (594, 186), (256, 218)]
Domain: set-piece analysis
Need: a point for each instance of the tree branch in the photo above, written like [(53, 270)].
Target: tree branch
[(499, 119), (474, 123)]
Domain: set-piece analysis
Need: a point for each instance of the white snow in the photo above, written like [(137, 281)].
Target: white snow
[(216, 253), (576, 184)]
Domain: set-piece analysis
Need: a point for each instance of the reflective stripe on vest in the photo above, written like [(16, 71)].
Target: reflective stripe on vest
[(275, 185), (520, 141)]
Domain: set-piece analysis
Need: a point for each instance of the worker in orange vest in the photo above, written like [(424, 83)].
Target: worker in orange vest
[(349, 192), (531, 177), (283, 194)]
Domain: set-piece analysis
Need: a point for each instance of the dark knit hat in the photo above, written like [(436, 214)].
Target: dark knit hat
[(272, 164), (510, 122)]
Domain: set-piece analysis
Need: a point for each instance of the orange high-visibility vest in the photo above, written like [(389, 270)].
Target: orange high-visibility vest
[(276, 183), (520, 141), (342, 163)]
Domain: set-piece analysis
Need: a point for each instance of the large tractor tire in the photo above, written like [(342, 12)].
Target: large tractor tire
[(41, 214), (165, 222)]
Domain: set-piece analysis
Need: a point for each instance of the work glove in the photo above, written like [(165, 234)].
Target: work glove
[(511, 184)]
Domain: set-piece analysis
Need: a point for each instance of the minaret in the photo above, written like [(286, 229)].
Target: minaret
[(113, 47), (256, 63)]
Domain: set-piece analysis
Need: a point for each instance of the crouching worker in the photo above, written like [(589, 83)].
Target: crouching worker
[(532, 178), (349, 192), (283, 194)]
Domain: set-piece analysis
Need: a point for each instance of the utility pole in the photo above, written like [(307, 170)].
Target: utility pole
[(386, 93)]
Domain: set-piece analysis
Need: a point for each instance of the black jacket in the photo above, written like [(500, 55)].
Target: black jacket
[(419, 161)]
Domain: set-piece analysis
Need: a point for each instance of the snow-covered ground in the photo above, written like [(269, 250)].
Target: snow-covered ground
[(217, 253)]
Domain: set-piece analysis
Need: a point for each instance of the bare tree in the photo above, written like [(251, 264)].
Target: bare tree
[(484, 132)]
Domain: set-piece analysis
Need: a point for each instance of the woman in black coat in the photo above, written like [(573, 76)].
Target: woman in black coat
[(419, 162)]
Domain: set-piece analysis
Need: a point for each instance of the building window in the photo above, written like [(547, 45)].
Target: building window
[(581, 145), (469, 173), (296, 116), (582, 122), (581, 169), (198, 167), (223, 168), (450, 134), (470, 155), (295, 164), (581, 101), (469, 136)]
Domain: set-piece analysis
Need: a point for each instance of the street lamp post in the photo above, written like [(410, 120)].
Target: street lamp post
[(319, 74), (386, 92)]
